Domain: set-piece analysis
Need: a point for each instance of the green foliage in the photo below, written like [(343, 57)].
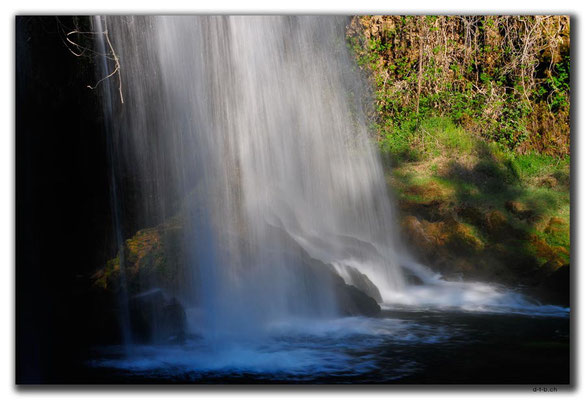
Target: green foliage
[(474, 125), (431, 137), (487, 74), (533, 165), (558, 86), (453, 170)]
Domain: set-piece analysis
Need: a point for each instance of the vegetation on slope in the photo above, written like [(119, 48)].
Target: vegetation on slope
[(472, 117), (505, 78)]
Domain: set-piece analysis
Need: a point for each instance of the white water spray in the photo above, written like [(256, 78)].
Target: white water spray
[(255, 123)]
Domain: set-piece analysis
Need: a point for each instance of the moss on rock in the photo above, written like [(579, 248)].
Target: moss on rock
[(152, 258)]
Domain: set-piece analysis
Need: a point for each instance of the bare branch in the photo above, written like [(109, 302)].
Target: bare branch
[(79, 50)]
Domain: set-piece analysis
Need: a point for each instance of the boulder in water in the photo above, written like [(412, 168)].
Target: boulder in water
[(353, 301), (353, 277), (155, 318), (556, 289)]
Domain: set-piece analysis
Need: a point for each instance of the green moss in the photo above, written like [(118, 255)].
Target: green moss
[(152, 256), (458, 174), (103, 277)]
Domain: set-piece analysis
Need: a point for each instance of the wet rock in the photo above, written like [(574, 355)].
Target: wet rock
[(351, 247), (156, 318), (363, 283), (558, 284), (353, 301), (350, 300), (153, 257), (315, 276), (556, 288), (175, 320)]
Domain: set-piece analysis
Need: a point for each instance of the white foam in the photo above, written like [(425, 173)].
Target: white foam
[(437, 293), (295, 347)]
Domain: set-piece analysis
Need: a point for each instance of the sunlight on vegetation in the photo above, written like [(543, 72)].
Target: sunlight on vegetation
[(472, 119)]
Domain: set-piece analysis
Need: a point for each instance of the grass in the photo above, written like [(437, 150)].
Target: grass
[(415, 141), (437, 168)]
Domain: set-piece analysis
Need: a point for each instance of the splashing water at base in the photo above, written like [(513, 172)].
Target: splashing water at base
[(397, 347), (439, 294), (299, 349)]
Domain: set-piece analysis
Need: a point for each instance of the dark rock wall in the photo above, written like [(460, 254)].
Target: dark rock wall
[(63, 222)]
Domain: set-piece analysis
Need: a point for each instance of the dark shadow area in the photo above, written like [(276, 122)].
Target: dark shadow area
[(63, 221)]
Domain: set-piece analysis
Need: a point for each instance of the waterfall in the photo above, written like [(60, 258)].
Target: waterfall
[(257, 124), (252, 131)]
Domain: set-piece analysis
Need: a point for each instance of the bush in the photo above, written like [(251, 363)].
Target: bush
[(505, 78)]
